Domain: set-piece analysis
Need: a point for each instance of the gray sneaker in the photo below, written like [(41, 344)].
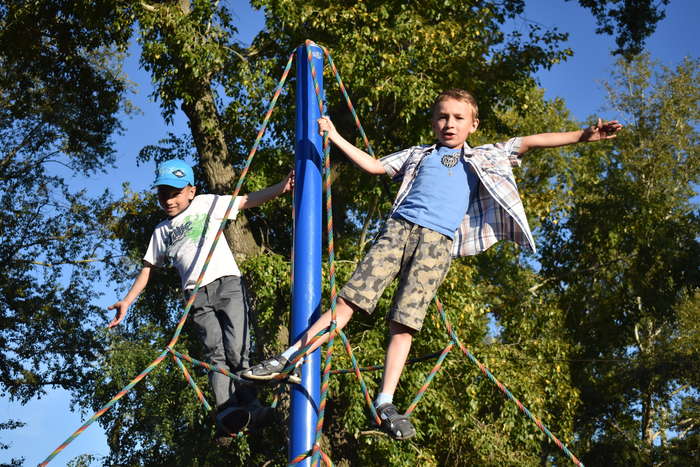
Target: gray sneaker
[(398, 426), (273, 369)]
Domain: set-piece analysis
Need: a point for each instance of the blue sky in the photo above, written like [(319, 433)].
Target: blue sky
[(577, 81)]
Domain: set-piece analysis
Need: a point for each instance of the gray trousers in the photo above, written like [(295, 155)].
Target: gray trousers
[(220, 318)]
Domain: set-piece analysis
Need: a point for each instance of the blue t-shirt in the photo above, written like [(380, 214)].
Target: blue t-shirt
[(441, 192)]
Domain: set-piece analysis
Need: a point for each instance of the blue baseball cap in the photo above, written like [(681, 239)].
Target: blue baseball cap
[(174, 172)]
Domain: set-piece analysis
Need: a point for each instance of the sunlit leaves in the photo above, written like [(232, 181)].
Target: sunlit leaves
[(624, 261)]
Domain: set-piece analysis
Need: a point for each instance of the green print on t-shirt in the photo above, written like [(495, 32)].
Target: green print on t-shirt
[(197, 223)]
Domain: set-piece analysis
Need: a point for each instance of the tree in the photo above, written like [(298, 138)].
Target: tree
[(396, 112), (390, 57), (631, 20), (11, 425), (59, 95), (622, 256), (387, 51)]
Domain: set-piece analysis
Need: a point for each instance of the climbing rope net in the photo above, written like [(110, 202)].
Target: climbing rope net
[(315, 453)]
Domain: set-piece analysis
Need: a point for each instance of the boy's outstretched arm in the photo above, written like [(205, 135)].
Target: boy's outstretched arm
[(257, 198), (363, 160), (600, 131), (137, 287)]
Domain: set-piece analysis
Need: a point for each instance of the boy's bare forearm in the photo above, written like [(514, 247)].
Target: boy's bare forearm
[(139, 284), (122, 306), (257, 198), (600, 131), (363, 160), (550, 140)]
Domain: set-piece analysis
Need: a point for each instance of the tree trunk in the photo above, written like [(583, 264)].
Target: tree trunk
[(647, 425)]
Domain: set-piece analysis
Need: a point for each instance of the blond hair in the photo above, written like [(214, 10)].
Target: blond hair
[(459, 95)]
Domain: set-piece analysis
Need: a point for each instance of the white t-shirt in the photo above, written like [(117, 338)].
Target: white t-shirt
[(185, 240)]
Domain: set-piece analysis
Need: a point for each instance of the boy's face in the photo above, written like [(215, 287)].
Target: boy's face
[(175, 200), (453, 122)]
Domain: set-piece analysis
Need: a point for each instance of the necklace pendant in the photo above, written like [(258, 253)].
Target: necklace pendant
[(449, 161)]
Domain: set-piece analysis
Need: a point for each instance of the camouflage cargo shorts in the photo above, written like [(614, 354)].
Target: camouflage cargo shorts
[(422, 258)]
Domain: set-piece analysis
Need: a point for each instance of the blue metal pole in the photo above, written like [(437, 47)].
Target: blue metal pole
[(306, 292)]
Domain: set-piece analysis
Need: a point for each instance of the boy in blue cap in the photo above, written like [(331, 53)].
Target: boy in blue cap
[(454, 200), (220, 311)]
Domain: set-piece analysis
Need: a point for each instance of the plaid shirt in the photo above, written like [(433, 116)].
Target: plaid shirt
[(497, 212)]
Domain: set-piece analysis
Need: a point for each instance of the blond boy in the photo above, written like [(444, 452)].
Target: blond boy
[(454, 200)]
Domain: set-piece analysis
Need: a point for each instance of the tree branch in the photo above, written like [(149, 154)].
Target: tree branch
[(63, 263)]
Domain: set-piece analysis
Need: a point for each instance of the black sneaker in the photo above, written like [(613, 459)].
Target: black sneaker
[(260, 416), (232, 420), (272, 369), (397, 425)]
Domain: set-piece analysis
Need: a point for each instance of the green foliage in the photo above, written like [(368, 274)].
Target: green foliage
[(11, 425), (479, 428), (394, 57), (185, 46), (631, 20), (59, 93), (624, 263), (65, 73), (606, 289), (463, 419), (160, 421), (83, 460)]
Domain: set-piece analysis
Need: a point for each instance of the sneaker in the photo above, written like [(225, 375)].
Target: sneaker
[(272, 369), (397, 425), (233, 420), (261, 416)]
